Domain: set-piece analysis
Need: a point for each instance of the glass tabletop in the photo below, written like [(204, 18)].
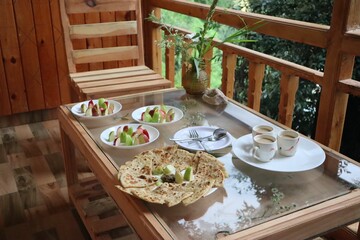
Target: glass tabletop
[(251, 195)]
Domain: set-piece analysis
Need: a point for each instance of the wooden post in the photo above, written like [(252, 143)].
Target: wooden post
[(208, 56), (256, 76), (170, 65), (228, 79), (338, 66), (151, 36), (288, 87)]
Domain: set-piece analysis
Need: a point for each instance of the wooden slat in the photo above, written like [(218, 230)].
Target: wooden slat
[(103, 29), (28, 49), (4, 95), (256, 77), (288, 87), (105, 76), (121, 88), (81, 6), (351, 44), (338, 119), (229, 65), (105, 54), (62, 68), (349, 86), (107, 71), (106, 224), (47, 56), (119, 80), (11, 58)]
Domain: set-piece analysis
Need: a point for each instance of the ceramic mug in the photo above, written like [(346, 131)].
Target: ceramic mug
[(264, 148), (288, 140), (263, 129)]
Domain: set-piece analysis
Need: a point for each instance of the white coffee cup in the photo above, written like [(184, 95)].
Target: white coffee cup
[(288, 140), (263, 129), (264, 148)]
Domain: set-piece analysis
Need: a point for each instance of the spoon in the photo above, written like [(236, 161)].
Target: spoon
[(218, 134)]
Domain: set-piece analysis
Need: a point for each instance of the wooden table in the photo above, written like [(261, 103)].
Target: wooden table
[(254, 203)]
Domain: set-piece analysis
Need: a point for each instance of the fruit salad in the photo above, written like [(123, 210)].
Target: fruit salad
[(128, 136), (158, 114), (101, 108)]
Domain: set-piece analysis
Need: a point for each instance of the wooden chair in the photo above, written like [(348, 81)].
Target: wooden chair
[(104, 47)]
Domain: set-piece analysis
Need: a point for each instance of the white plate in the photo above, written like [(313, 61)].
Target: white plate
[(136, 115), (309, 155), (203, 131), (153, 135), (76, 109)]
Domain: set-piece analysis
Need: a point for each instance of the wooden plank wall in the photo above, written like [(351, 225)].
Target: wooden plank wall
[(33, 73)]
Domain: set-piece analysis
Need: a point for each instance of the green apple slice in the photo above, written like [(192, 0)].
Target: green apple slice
[(188, 175), (111, 136)]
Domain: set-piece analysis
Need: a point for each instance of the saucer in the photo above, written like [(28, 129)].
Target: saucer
[(309, 155)]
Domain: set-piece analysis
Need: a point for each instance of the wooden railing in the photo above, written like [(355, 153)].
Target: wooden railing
[(341, 40)]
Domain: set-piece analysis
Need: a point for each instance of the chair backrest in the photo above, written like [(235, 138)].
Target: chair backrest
[(102, 34)]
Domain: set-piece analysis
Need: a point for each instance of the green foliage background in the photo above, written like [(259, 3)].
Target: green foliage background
[(307, 98)]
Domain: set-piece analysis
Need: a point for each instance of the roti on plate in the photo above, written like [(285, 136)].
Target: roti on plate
[(140, 177)]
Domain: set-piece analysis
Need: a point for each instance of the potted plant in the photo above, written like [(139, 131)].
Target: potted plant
[(194, 47)]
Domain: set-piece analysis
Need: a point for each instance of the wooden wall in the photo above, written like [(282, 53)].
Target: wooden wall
[(33, 73)]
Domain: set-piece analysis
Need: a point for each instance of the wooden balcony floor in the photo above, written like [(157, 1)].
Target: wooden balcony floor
[(34, 203), (33, 195)]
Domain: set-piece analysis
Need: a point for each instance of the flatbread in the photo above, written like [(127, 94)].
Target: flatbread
[(181, 159), (136, 180), (136, 176), (199, 187), (209, 167)]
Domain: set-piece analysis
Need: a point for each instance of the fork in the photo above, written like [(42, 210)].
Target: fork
[(194, 134)]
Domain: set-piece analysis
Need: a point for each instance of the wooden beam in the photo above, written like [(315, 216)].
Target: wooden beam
[(349, 86), (303, 32), (256, 76)]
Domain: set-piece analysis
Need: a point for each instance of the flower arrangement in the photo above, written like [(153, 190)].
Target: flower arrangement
[(194, 47)]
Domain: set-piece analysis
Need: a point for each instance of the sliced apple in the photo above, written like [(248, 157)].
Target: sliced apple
[(129, 140), (88, 112), (111, 108), (156, 117), (111, 136), (83, 108), (117, 142), (170, 115), (101, 103), (91, 104), (142, 138)]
